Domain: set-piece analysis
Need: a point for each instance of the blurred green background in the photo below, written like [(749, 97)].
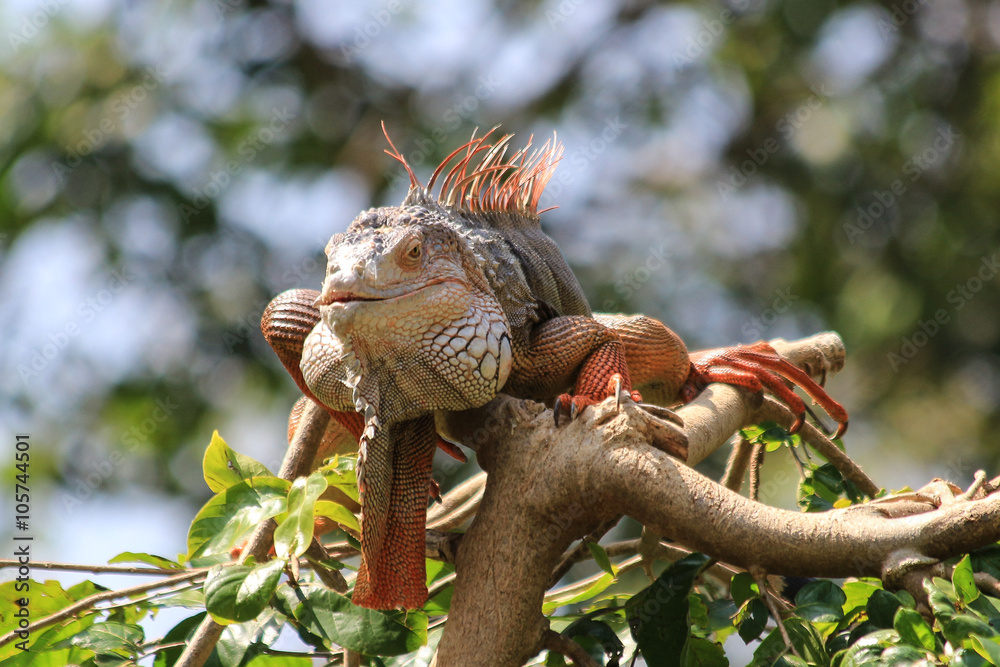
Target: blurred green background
[(746, 170)]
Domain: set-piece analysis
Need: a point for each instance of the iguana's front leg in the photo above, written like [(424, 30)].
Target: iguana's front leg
[(628, 354), (286, 322), (664, 371), (571, 353)]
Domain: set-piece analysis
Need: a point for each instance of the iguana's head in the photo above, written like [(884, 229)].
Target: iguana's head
[(405, 293)]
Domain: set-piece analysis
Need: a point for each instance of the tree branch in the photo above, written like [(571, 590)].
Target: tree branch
[(548, 486), (91, 600)]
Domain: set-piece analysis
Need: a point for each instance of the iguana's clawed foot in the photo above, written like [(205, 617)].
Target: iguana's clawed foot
[(574, 405), (757, 367)]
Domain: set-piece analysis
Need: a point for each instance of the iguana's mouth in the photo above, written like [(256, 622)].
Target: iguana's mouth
[(345, 297)]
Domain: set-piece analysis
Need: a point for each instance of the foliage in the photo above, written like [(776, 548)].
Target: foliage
[(683, 618)]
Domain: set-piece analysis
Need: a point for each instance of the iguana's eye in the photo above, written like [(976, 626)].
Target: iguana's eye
[(414, 249)]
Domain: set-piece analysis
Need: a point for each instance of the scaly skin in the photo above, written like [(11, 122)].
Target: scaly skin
[(443, 302)]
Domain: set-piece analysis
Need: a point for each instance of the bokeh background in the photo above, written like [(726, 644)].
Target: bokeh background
[(756, 168)]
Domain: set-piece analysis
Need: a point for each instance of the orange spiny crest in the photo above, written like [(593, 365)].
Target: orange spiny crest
[(484, 179)]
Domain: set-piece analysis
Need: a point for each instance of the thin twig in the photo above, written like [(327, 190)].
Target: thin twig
[(736, 466), (553, 641), (441, 584), (579, 551), (96, 569), (649, 543), (91, 600), (978, 483), (761, 578), (756, 462), (457, 497), (987, 583), (771, 410), (458, 515)]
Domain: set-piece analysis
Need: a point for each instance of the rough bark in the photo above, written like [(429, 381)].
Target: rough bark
[(548, 486)]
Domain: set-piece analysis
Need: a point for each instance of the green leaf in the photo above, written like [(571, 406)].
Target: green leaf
[(148, 559), (658, 614), (231, 514), (224, 467), (279, 661), (753, 620), (574, 595), (805, 638), (340, 474), (904, 655), (987, 647), (604, 634), (367, 631), (820, 601), (743, 587), (867, 650), (914, 630), (338, 513), (701, 652), (294, 535), (720, 616), (241, 592), (821, 591), (960, 627), (942, 597), (882, 606), (857, 594), (964, 582), (110, 636), (43, 598), (967, 658), (601, 558)]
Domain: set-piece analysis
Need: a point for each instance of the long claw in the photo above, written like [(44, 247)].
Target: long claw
[(556, 410), (618, 391), (797, 424), (663, 413), (572, 411), (841, 430)]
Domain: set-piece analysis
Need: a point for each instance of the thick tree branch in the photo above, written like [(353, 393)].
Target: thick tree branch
[(549, 486)]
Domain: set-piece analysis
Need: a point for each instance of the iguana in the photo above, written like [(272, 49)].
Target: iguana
[(449, 298)]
